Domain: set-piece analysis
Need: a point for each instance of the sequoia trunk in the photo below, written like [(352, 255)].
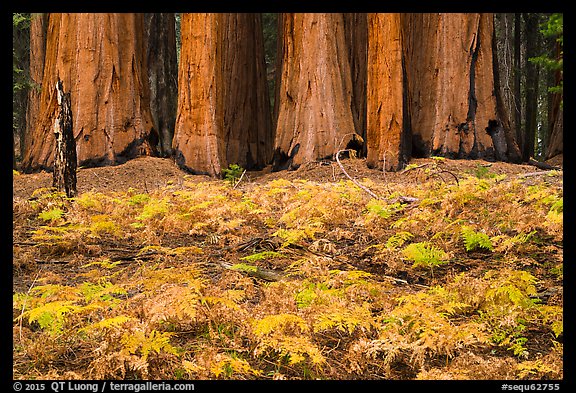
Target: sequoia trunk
[(556, 141), (315, 118), (160, 41), (387, 132), (451, 84), (356, 31), (556, 115), (247, 117), (223, 109), (100, 60), (38, 28)]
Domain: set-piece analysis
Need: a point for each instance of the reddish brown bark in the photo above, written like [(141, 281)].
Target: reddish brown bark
[(223, 109), (100, 59), (38, 29), (387, 135), (315, 118), (556, 141), (356, 32), (247, 117), (451, 84), (556, 112)]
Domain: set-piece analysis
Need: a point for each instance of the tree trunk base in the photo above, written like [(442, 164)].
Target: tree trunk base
[(64, 175)]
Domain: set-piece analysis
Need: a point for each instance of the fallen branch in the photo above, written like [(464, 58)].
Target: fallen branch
[(404, 200), (351, 178), (542, 165), (408, 169), (239, 180), (42, 262), (445, 171), (400, 281), (541, 173), (254, 271)]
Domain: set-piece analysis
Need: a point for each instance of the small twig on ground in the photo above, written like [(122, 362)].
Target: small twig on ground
[(414, 167), (351, 178), (404, 200), (239, 180), (445, 171), (399, 280), (541, 173), (42, 262), (102, 178), (385, 176), (24, 307), (333, 174), (255, 271)]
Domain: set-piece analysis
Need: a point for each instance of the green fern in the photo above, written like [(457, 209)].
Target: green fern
[(398, 240), (425, 254), (51, 215), (474, 240), (107, 323), (375, 206), (306, 297), (51, 316), (262, 255), (243, 267)]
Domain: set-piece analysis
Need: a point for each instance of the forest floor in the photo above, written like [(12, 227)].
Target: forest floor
[(449, 269)]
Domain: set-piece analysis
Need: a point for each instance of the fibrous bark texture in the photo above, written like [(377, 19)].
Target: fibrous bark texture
[(100, 60), (38, 28), (387, 131), (451, 84), (532, 79), (64, 175), (356, 32), (247, 117), (160, 41), (315, 94), (556, 141), (223, 109)]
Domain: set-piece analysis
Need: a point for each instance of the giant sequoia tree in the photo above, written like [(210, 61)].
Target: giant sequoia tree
[(100, 59), (38, 28), (388, 137), (452, 101), (314, 98), (421, 84), (356, 35), (223, 109), (160, 41)]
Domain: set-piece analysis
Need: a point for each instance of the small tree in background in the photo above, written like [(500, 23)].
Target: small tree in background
[(20, 80), (553, 30)]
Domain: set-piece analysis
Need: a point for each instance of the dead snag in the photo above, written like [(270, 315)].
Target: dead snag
[(64, 175)]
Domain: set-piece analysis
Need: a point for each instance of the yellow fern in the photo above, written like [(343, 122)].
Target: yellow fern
[(280, 322), (137, 342)]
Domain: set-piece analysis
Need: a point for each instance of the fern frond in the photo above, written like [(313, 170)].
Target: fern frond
[(262, 255), (279, 322), (398, 240), (108, 323), (51, 316), (138, 342), (474, 240), (425, 254)]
